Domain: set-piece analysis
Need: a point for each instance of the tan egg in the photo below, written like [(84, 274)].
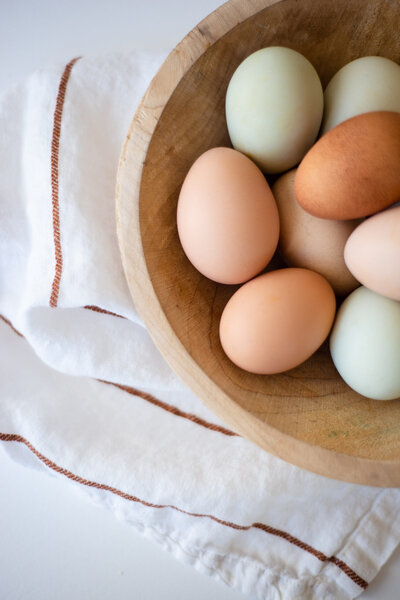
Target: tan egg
[(354, 169), (310, 242), (277, 320), (227, 218), (372, 253)]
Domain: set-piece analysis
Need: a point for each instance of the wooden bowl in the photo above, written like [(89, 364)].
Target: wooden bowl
[(308, 416)]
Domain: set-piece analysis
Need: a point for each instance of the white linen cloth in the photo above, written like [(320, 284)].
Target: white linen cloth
[(145, 446)]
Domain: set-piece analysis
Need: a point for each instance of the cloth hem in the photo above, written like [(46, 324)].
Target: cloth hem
[(243, 573)]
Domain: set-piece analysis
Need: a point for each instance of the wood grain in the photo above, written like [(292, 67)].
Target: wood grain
[(308, 416)]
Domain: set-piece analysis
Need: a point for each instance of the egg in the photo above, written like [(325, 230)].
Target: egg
[(365, 344), (277, 320), (372, 253), (310, 242), (227, 218), (366, 84), (274, 105), (353, 170)]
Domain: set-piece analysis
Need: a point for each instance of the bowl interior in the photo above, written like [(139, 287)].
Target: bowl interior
[(310, 403)]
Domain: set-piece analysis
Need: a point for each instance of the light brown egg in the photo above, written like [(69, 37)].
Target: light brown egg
[(372, 253), (354, 169), (227, 218), (277, 320), (310, 242)]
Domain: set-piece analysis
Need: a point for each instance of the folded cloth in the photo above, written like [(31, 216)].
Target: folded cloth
[(86, 394)]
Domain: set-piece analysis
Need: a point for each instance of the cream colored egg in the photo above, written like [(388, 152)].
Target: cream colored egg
[(372, 253), (274, 105), (365, 344), (366, 84)]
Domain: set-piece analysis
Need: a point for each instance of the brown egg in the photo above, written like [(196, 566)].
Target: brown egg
[(227, 218), (277, 320), (310, 242), (354, 169)]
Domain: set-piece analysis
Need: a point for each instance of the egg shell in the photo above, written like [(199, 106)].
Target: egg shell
[(372, 253), (353, 170), (227, 217), (313, 243), (277, 320), (365, 344), (274, 105), (366, 84)]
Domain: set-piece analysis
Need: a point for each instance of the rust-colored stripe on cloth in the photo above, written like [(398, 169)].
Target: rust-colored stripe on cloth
[(103, 311), (55, 148), (320, 555), (349, 572), (11, 325), (13, 437), (172, 409), (149, 398)]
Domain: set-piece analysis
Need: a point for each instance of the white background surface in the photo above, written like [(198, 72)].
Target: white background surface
[(55, 544)]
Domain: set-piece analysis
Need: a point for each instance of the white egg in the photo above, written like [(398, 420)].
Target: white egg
[(274, 105), (365, 344), (364, 85)]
